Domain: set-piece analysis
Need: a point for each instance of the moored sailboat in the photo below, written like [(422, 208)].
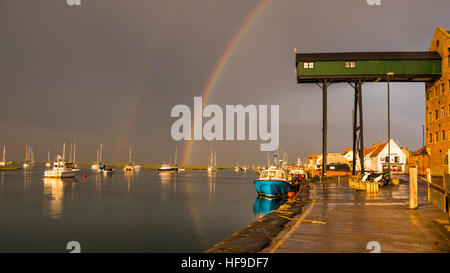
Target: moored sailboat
[(29, 157), (212, 162), (4, 162), (130, 167)]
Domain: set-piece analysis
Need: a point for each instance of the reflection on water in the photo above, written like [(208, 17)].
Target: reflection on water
[(212, 187), (263, 206), (124, 212), (168, 182), (27, 172), (56, 191)]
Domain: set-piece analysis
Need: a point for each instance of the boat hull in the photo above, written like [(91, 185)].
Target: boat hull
[(66, 174), (168, 169), (272, 188)]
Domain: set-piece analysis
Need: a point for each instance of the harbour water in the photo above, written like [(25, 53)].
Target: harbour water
[(140, 212)]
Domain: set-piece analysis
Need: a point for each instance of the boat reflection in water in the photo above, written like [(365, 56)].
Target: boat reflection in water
[(264, 205), (56, 190), (212, 187), (168, 182)]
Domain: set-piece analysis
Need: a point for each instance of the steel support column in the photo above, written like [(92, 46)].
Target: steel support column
[(358, 129), (324, 127)]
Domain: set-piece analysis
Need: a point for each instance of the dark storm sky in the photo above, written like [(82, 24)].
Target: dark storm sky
[(110, 71)]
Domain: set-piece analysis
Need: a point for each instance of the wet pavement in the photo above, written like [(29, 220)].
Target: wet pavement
[(347, 220)]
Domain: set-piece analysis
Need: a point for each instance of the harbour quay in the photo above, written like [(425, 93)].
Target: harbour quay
[(329, 216)]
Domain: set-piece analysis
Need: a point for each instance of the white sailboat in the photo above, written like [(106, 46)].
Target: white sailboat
[(130, 167), (48, 164), (99, 158), (73, 160), (4, 162), (62, 168), (29, 157), (212, 162)]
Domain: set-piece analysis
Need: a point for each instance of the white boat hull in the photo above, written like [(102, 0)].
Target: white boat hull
[(58, 174)]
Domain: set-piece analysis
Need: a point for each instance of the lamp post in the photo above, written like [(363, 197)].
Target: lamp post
[(389, 124)]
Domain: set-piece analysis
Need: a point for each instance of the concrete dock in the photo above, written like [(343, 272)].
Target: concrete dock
[(340, 219)]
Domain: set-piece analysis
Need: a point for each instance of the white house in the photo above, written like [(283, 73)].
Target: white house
[(377, 159)]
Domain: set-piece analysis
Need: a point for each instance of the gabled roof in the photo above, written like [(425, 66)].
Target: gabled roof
[(378, 149), (421, 151)]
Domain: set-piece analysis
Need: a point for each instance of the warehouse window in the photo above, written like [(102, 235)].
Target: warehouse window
[(437, 114), (437, 137), (436, 92), (431, 138), (308, 65), (350, 64), (443, 135), (430, 117)]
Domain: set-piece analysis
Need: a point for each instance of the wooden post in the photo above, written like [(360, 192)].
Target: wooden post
[(428, 183), (413, 188)]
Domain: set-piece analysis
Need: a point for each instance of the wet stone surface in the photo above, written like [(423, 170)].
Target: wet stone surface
[(355, 221)]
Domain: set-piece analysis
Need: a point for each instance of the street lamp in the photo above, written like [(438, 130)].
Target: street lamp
[(389, 124)]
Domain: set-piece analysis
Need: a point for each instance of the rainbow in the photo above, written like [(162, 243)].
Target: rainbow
[(221, 64)]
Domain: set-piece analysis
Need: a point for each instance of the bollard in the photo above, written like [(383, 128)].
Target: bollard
[(395, 181), (413, 188)]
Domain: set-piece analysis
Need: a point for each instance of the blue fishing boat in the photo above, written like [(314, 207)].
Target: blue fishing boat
[(273, 182)]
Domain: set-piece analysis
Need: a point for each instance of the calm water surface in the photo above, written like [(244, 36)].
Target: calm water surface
[(141, 212)]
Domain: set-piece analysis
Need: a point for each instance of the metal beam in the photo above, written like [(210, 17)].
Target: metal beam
[(324, 127), (358, 128)]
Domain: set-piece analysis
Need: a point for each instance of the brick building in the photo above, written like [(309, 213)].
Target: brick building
[(437, 106)]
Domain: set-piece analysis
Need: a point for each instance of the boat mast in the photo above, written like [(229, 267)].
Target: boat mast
[(26, 152), (4, 153), (101, 152), (64, 151), (48, 156), (70, 155), (176, 153), (74, 151), (129, 157)]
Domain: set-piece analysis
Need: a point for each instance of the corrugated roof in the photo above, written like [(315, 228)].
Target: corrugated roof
[(355, 56)]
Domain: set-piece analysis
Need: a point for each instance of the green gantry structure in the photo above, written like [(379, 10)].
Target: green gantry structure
[(357, 68)]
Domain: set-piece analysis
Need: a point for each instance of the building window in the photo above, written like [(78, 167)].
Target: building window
[(443, 135), (350, 64), (446, 160), (437, 137), (430, 117), (443, 112), (309, 65), (431, 138), (437, 114), (436, 92), (396, 159)]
